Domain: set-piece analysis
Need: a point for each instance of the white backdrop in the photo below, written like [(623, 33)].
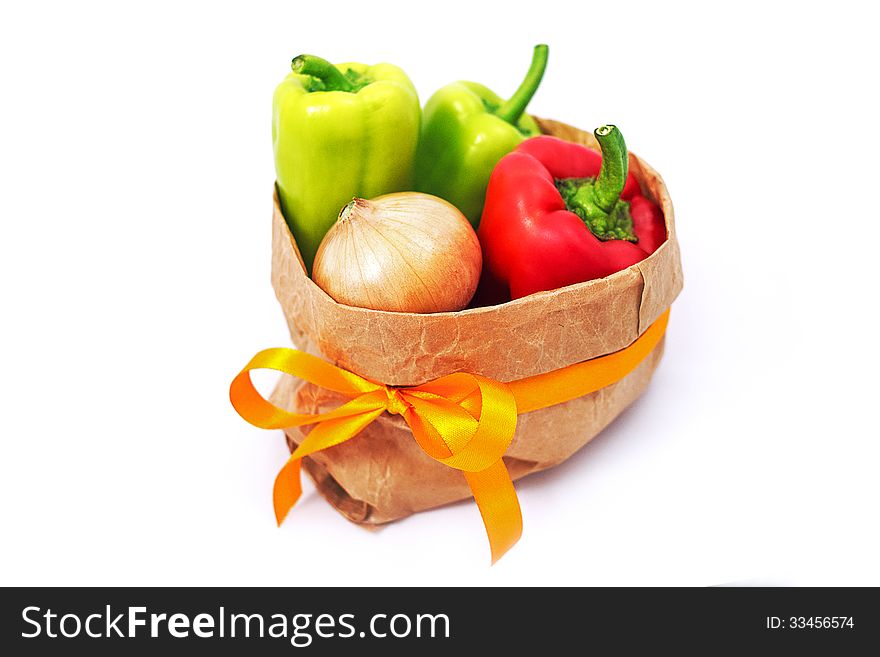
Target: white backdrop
[(136, 168)]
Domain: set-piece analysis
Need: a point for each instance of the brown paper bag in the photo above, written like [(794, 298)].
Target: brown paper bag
[(382, 474)]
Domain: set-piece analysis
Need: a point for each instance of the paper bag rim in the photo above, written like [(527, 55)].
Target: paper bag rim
[(519, 338)]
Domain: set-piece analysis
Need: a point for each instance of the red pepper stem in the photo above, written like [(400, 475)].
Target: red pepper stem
[(317, 67), (512, 110), (615, 166)]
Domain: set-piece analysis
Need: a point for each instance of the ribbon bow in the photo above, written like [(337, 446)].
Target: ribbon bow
[(465, 421)]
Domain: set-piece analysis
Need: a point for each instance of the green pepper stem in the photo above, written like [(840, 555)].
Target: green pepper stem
[(511, 110), (320, 68), (615, 165)]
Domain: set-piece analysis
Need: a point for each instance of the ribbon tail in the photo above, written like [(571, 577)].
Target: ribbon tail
[(496, 498), (325, 434), (287, 489)]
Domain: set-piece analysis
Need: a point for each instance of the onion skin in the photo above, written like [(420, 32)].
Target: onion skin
[(403, 252)]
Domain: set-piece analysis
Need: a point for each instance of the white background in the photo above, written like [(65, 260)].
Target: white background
[(136, 172)]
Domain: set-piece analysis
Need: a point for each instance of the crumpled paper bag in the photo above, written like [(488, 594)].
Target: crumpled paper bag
[(382, 474)]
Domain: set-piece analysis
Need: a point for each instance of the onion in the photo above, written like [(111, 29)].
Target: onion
[(406, 252)]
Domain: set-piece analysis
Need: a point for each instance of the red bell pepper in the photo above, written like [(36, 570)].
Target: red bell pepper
[(558, 213)]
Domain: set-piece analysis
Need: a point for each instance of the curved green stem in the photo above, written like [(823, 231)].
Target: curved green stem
[(320, 68), (511, 110), (597, 200), (615, 166)]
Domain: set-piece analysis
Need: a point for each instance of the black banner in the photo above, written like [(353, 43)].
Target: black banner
[(432, 621)]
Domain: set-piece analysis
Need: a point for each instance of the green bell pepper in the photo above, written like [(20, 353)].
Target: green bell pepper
[(466, 130), (340, 132)]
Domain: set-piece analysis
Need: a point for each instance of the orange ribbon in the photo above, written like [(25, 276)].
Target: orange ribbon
[(465, 421)]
